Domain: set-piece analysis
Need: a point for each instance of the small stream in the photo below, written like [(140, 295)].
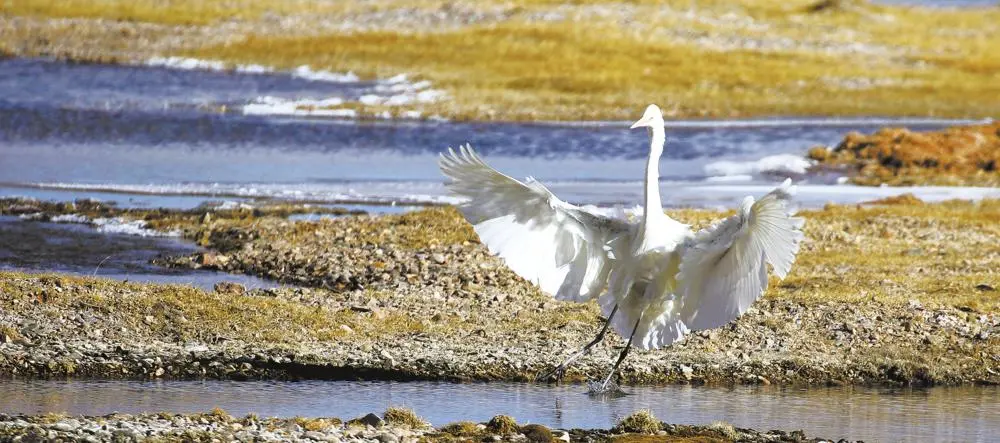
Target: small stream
[(937, 414), (74, 248)]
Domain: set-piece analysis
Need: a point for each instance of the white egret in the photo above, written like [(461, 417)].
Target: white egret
[(655, 279)]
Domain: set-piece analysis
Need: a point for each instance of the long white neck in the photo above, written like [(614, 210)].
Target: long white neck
[(653, 206)]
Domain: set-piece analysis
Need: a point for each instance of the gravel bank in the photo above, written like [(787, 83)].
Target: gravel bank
[(414, 296), (397, 426)]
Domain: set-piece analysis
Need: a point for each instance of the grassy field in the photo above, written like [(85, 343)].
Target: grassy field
[(580, 60)]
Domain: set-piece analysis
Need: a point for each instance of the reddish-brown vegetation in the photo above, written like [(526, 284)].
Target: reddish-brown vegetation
[(959, 155)]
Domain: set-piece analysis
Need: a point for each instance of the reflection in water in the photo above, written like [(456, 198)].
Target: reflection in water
[(938, 414)]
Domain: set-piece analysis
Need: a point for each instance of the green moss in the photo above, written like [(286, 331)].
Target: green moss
[(537, 433)]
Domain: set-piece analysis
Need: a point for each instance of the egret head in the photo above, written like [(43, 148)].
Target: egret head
[(650, 119)]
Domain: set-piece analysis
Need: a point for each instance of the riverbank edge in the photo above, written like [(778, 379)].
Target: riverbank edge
[(395, 425)]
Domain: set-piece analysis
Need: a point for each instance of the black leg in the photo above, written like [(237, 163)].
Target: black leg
[(560, 371), (621, 357)]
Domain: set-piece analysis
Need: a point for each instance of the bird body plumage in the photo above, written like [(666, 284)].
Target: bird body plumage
[(654, 279)]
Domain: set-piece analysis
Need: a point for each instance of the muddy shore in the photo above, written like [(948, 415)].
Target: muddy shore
[(395, 425), (415, 296)]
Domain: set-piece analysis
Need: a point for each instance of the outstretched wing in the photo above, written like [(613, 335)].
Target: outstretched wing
[(558, 246), (723, 268)]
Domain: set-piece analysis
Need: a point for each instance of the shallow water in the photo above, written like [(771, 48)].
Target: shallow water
[(938, 414), (153, 133), (80, 249)]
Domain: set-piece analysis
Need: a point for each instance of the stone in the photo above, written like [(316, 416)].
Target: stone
[(372, 420), (231, 288)]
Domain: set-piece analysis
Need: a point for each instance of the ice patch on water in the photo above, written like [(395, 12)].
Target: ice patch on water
[(32, 216), (70, 218), (119, 225), (781, 165), (729, 178), (254, 69), (304, 72), (395, 91), (112, 225), (601, 194), (375, 192), (267, 105), (230, 205), (307, 73), (186, 63)]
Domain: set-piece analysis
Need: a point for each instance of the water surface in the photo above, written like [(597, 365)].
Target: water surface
[(937, 414), (158, 132), (74, 248)]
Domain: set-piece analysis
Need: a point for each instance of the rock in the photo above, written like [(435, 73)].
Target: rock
[(212, 260), (371, 420), (687, 371), (64, 427), (230, 288)]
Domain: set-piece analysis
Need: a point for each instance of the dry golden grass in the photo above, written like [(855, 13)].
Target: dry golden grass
[(942, 254), (192, 314), (581, 60), (172, 12)]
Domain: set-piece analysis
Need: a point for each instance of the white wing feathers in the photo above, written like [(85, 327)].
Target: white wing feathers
[(558, 246), (723, 268)]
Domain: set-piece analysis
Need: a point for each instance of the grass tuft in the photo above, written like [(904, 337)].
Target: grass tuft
[(726, 429), (404, 417), (641, 422), (502, 425), (461, 429)]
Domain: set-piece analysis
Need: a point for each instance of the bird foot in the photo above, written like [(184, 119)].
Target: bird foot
[(558, 372), (606, 387)]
